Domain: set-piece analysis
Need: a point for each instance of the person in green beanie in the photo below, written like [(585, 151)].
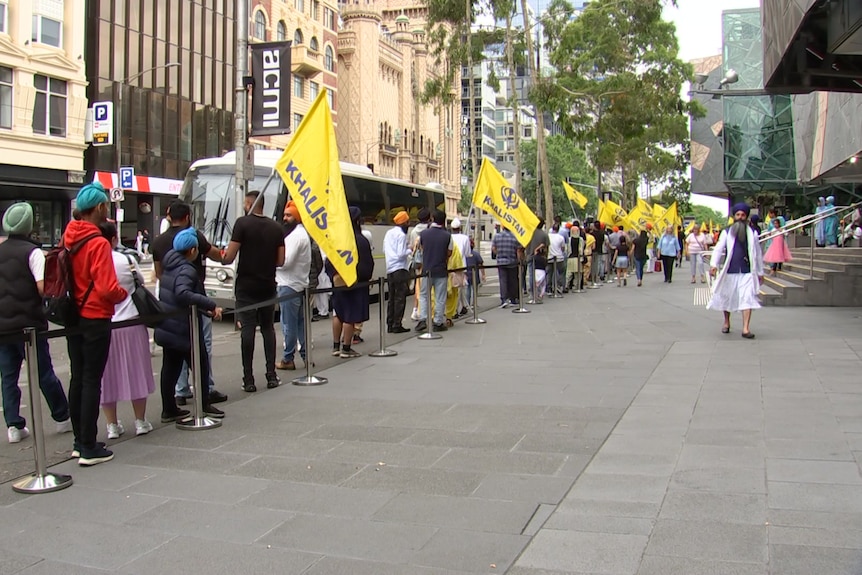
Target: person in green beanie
[(22, 274)]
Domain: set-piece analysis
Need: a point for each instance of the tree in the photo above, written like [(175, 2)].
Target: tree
[(703, 214), (617, 87), (565, 160)]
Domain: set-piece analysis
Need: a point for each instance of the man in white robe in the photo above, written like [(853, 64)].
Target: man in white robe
[(740, 257)]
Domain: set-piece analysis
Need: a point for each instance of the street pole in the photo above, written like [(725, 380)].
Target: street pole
[(471, 133), (241, 124)]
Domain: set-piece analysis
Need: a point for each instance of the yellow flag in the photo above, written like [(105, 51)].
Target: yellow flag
[(645, 209), (657, 212), (689, 228), (574, 195), (494, 195), (618, 214), (310, 170), (638, 218), (670, 217), (605, 215)]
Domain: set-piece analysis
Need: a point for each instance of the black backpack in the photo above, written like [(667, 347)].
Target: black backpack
[(316, 265), (59, 291)]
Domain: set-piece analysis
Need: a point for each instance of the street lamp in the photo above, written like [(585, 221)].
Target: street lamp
[(119, 145)]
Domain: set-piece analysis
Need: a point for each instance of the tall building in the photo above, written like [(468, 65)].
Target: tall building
[(43, 105), (312, 28), (383, 64), (483, 137), (168, 67)]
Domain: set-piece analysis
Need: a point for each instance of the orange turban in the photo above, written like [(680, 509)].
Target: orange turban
[(616, 228), (291, 209), (649, 226), (401, 218)]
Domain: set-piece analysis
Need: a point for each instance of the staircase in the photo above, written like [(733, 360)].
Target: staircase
[(837, 279)]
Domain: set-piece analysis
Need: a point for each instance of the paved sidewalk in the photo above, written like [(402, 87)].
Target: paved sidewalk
[(614, 432)]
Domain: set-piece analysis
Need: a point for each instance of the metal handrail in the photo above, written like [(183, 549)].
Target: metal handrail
[(808, 219)]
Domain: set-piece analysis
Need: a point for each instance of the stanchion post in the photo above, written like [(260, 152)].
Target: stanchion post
[(520, 308), (429, 322), (554, 292), (532, 279), (308, 379), (200, 421), (382, 352), (475, 320), (41, 481), (811, 255)]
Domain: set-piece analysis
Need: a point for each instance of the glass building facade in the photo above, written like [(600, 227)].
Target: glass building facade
[(169, 117)]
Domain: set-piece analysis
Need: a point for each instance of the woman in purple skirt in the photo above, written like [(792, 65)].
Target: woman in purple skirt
[(128, 375)]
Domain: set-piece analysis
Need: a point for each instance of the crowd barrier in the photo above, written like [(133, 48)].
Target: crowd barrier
[(43, 482)]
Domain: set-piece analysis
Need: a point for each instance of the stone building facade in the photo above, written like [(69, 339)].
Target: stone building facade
[(383, 64)]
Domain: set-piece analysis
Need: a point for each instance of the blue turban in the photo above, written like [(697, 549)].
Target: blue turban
[(741, 207), (355, 213), (755, 219), (186, 240), (830, 200), (91, 196)]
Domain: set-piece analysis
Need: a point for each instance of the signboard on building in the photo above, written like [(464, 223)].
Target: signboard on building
[(103, 123), (270, 98)]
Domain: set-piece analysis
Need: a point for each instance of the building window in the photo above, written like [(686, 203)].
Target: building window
[(47, 22), (314, 89), (6, 90), (260, 25), (328, 60), (329, 18), (314, 44), (49, 110), (300, 5), (281, 32), (3, 18), (315, 10), (298, 86), (297, 120), (297, 37), (330, 99)]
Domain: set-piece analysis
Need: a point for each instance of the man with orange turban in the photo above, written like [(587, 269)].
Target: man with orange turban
[(397, 253)]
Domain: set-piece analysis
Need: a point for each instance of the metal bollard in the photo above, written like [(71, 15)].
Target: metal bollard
[(308, 379), (555, 292), (41, 481), (429, 322), (521, 308), (382, 352), (200, 421), (475, 320)]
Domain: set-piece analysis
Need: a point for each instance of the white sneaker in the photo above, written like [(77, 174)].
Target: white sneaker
[(15, 435), (115, 430), (415, 315), (64, 426), (142, 427)]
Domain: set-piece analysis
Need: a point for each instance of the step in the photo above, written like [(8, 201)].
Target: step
[(820, 272)]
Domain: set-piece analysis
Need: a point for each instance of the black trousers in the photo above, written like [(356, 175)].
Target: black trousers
[(667, 267), (399, 282), (249, 321), (88, 354), (509, 288), (172, 365)]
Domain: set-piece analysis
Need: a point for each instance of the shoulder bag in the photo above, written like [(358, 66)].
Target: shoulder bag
[(148, 306)]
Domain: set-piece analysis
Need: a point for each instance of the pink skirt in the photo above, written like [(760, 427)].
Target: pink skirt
[(129, 372), (778, 251)]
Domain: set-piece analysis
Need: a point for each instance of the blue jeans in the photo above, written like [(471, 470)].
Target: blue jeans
[(182, 387), (639, 268), (440, 285), (292, 322), (11, 358)]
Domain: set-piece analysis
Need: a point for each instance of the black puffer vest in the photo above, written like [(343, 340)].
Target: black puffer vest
[(20, 302)]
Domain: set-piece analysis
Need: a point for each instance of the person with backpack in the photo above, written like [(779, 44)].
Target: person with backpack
[(621, 257), (95, 292), (22, 272), (180, 289), (292, 278)]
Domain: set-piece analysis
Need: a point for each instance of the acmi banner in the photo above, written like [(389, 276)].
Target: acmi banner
[(270, 100)]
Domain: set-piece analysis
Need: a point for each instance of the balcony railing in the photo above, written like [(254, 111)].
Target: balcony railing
[(305, 61)]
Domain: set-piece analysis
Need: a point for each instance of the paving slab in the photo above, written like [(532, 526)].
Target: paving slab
[(584, 552)]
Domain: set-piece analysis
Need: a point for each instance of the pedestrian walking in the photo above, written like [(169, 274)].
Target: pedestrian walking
[(668, 250), (740, 258), (128, 374), (22, 274), (96, 292), (778, 252), (397, 253), (641, 256), (695, 245), (621, 258)]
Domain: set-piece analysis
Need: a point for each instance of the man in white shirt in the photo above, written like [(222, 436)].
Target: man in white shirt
[(292, 278), (397, 253), (461, 240), (557, 252)]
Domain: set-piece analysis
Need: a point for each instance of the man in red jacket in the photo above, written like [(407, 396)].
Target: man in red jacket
[(96, 293)]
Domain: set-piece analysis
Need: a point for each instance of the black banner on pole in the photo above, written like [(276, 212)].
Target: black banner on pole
[(270, 101)]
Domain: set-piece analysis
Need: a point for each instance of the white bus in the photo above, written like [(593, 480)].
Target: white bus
[(209, 190)]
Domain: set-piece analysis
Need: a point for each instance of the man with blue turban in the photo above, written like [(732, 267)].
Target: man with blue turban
[(739, 255)]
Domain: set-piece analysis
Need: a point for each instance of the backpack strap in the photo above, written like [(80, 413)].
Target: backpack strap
[(75, 249)]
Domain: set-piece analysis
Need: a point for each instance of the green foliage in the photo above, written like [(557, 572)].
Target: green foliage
[(565, 160), (703, 214), (466, 200), (618, 84)]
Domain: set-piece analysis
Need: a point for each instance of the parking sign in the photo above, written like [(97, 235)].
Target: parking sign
[(103, 123), (127, 178)]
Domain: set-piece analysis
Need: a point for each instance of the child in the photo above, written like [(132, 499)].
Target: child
[(180, 288), (778, 252)]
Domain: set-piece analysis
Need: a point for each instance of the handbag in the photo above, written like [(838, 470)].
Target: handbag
[(148, 306)]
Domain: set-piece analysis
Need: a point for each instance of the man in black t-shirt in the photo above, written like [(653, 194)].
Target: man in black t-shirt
[(180, 217), (259, 241)]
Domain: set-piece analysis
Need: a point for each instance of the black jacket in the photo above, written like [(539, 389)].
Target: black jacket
[(364, 260), (179, 288), (20, 302)]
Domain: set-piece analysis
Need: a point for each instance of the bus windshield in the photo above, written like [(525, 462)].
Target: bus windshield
[(209, 190)]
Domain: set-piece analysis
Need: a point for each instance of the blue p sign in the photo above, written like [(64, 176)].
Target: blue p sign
[(127, 177), (101, 112)]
